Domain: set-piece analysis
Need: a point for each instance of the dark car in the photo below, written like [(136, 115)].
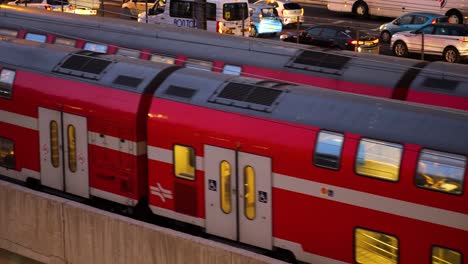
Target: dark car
[(335, 37)]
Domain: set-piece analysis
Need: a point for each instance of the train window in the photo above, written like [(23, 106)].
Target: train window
[(249, 192), (441, 171), (7, 78), (232, 70), (8, 32), (198, 64), (65, 42), (379, 159), (100, 48), (71, 148), (184, 162), (328, 150), (441, 255), (54, 143), (375, 247), (225, 186), (7, 153), (162, 59), (128, 53), (36, 37)]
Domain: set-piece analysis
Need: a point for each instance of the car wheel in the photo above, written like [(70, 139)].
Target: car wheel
[(385, 36), (126, 14), (400, 49), (360, 9), (253, 32), (451, 54), (454, 17)]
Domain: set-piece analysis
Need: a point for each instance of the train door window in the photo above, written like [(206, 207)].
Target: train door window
[(232, 70), (131, 53), (441, 171), (441, 255), (249, 192), (198, 64), (65, 42), (7, 78), (36, 37), (225, 182), (7, 153), (328, 150), (375, 247), (8, 32), (379, 159), (100, 48), (54, 144), (71, 148), (162, 59), (184, 162)]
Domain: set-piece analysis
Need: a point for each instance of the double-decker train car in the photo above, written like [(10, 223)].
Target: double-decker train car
[(310, 174), (433, 83)]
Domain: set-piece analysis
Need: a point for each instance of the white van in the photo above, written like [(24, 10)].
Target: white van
[(223, 16), (455, 10)]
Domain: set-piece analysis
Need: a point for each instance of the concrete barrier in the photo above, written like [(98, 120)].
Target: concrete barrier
[(54, 230)]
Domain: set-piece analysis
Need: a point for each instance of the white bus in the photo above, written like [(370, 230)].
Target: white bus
[(456, 10), (222, 16)]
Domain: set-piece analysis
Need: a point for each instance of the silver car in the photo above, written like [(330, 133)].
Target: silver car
[(447, 40), (289, 12)]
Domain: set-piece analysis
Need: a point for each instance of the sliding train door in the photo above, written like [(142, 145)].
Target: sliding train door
[(63, 139), (238, 196)]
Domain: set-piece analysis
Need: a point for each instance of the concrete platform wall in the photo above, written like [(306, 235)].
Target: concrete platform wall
[(54, 230)]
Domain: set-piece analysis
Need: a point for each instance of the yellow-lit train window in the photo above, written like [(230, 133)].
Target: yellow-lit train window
[(71, 148), (54, 144), (442, 255), (65, 42), (184, 162), (225, 194), (379, 159), (7, 153), (249, 192), (441, 171), (162, 59), (375, 247)]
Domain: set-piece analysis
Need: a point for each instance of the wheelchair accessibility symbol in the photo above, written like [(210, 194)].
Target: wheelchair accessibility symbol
[(262, 197), (212, 185)]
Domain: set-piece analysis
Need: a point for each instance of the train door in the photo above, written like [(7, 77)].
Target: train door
[(238, 196), (63, 142)]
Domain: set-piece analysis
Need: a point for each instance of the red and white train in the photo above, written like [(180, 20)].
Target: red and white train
[(312, 174), (433, 83)]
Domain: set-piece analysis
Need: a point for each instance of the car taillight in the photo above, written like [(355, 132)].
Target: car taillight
[(302, 11), (48, 8), (434, 21), (219, 27), (362, 42), (282, 11)]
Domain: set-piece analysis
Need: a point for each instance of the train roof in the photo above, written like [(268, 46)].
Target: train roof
[(113, 71), (381, 71), (384, 119)]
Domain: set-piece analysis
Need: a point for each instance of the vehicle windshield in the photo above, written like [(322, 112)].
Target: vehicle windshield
[(292, 6), (235, 11), (268, 12), (57, 2)]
